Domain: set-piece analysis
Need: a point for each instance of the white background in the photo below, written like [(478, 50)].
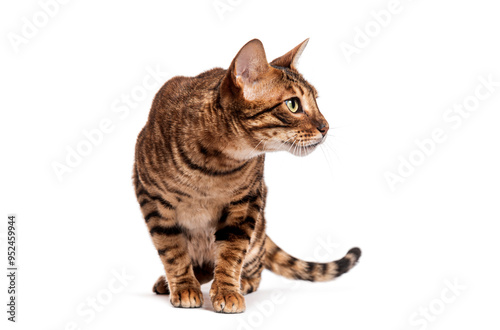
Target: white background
[(439, 226)]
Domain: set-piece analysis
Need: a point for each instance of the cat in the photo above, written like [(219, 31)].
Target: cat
[(199, 176)]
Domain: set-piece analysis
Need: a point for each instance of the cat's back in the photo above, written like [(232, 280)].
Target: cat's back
[(181, 94)]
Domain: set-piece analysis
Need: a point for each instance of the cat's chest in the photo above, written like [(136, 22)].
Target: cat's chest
[(199, 214)]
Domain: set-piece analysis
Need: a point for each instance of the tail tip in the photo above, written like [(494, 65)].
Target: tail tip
[(356, 252)]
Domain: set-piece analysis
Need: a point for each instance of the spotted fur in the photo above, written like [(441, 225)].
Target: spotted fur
[(199, 176)]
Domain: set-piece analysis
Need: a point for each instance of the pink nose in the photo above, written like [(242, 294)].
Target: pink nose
[(323, 128)]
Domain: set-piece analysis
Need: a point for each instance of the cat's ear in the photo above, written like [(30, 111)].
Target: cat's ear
[(249, 63), (290, 59)]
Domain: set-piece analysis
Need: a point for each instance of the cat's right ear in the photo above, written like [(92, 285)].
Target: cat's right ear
[(290, 59), (249, 64)]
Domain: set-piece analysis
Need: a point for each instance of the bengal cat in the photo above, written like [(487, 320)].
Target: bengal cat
[(199, 176)]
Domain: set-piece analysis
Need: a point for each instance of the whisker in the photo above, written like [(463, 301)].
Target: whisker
[(329, 147), (282, 143), (255, 148), (337, 127), (292, 144), (328, 162), (331, 137)]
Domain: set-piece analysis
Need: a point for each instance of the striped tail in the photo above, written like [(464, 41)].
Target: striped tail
[(281, 263)]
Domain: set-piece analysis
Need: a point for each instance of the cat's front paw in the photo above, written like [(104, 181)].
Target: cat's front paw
[(186, 297), (226, 300)]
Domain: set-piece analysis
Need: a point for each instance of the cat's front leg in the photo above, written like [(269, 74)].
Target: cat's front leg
[(170, 242), (234, 233)]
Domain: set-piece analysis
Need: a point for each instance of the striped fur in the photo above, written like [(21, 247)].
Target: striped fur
[(199, 176)]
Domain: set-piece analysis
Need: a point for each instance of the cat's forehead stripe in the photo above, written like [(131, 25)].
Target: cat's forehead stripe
[(297, 79), (301, 90)]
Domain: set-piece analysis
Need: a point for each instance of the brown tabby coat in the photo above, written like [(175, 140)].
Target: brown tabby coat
[(198, 176)]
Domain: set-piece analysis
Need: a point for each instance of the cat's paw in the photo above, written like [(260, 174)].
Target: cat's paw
[(226, 300), (161, 286), (190, 297)]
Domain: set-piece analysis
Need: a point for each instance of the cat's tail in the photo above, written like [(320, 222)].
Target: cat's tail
[(281, 263)]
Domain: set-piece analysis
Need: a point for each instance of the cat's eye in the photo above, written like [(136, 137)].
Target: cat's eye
[(293, 104)]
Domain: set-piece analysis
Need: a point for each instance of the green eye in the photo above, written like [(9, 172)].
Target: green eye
[(293, 104)]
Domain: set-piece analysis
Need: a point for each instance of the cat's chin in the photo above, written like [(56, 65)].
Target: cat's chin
[(304, 151)]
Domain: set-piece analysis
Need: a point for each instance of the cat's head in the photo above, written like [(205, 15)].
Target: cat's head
[(275, 105)]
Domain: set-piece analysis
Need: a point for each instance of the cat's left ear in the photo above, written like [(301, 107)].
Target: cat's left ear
[(250, 63), (290, 59)]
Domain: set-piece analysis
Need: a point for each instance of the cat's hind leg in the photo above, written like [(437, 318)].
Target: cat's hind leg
[(252, 268), (161, 286), (250, 284), (203, 274)]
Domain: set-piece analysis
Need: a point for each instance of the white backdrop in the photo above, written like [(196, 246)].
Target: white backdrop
[(409, 173)]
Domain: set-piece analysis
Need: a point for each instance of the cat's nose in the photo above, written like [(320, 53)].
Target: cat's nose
[(323, 128)]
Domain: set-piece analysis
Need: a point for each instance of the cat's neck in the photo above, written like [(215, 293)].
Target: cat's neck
[(222, 143), (209, 129)]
